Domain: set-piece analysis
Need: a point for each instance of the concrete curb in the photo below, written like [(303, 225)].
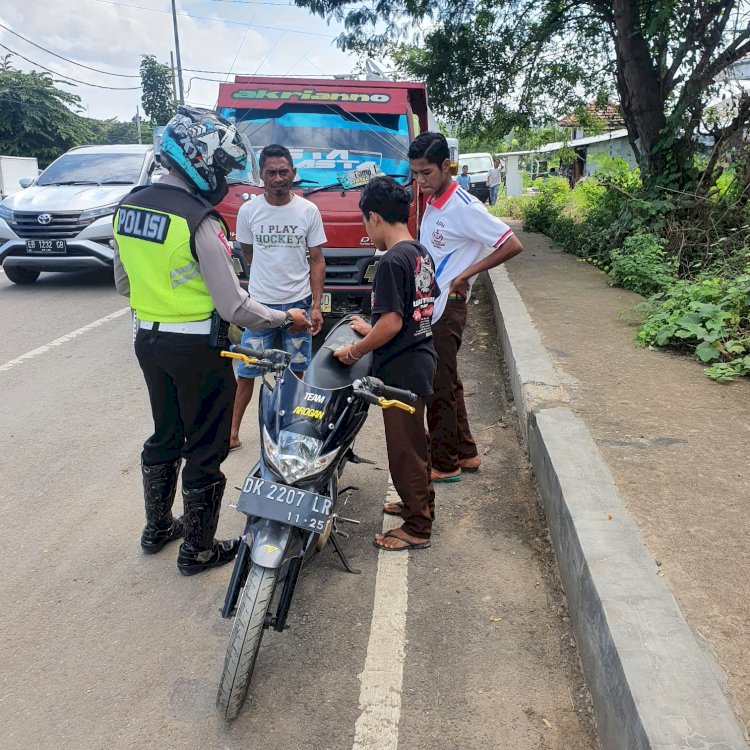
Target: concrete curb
[(652, 684)]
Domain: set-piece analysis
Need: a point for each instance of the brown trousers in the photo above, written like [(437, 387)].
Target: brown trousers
[(408, 447), (450, 435)]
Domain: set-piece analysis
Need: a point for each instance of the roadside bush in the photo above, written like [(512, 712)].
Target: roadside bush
[(688, 253), (510, 206), (541, 213), (709, 317), (641, 265)]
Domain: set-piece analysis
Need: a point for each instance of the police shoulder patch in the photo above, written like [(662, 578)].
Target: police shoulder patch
[(142, 224)]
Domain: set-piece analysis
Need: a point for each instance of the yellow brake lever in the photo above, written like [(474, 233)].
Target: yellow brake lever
[(388, 403), (242, 357)]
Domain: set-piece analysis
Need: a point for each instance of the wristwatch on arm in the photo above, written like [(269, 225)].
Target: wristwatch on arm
[(288, 322)]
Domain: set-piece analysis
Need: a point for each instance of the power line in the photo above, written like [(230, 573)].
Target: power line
[(69, 78), (258, 2), (221, 20), (54, 54)]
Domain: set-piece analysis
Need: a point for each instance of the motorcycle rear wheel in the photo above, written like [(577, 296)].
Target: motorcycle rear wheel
[(244, 643)]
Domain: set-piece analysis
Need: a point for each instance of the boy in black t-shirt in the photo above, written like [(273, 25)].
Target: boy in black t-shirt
[(400, 338)]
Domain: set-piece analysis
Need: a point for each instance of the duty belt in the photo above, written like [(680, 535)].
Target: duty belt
[(191, 326)]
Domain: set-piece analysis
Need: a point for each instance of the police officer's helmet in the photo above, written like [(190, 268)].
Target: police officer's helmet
[(203, 147)]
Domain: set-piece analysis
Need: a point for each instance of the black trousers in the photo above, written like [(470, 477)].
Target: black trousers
[(191, 389)]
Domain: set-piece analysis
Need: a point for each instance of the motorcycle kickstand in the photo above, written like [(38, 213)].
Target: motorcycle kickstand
[(342, 556)]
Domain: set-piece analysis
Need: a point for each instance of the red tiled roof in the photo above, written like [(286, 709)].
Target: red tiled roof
[(610, 114)]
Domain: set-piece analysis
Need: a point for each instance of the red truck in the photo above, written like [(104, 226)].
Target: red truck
[(338, 132)]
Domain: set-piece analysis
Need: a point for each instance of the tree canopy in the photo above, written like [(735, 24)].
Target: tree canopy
[(37, 116), (492, 65), (156, 83)]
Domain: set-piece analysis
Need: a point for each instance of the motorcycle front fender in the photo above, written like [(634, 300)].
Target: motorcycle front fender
[(270, 542)]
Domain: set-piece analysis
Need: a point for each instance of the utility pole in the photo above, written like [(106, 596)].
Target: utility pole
[(174, 79), (138, 122), (177, 52)]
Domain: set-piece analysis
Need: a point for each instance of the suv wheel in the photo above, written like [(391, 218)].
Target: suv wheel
[(21, 275)]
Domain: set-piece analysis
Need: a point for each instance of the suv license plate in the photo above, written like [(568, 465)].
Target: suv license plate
[(325, 302), (46, 247), (279, 502)]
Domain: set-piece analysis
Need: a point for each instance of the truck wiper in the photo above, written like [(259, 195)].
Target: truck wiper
[(116, 182), (338, 185)]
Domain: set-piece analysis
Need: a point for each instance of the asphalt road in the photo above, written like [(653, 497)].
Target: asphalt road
[(465, 645)]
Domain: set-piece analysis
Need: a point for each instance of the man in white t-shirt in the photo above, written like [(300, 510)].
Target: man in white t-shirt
[(455, 229), (494, 180), (281, 235)]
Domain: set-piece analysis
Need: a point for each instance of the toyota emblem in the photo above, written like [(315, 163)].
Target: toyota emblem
[(44, 218)]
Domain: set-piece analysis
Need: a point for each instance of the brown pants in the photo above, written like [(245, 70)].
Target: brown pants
[(450, 435), (408, 447)]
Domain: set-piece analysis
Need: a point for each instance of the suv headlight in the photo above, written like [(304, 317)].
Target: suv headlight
[(97, 213), (5, 213), (295, 456)]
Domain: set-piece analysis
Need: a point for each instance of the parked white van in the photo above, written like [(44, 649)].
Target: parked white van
[(478, 164)]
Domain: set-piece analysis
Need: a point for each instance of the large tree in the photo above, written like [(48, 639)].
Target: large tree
[(37, 117), (156, 83), (495, 64)]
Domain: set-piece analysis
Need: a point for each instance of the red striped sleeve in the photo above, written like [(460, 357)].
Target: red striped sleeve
[(503, 238)]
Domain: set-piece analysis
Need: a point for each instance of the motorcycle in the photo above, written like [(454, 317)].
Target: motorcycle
[(290, 497)]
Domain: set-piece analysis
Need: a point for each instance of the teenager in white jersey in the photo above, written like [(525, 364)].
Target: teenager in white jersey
[(455, 229), (281, 235)]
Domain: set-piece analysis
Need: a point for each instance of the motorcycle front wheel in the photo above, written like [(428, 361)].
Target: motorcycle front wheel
[(244, 643)]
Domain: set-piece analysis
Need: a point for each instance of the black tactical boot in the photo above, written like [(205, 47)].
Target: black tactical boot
[(159, 488), (200, 550)]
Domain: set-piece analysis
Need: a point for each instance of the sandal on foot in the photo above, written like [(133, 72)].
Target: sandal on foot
[(439, 477), (407, 544), (470, 464), (398, 512)]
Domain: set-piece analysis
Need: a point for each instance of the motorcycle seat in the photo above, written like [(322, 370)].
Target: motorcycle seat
[(325, 371)]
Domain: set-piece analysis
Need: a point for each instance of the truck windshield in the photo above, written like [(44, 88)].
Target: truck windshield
[(475, 163), (93, 169), (325, 141)]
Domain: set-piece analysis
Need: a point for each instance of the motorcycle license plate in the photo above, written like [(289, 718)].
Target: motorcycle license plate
[(46, 247), (289, 505), (325, 302)]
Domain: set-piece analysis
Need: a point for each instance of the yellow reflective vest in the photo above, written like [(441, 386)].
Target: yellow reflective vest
[(155, 231)]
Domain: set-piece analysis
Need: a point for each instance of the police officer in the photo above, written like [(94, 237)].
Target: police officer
[(173, 260)]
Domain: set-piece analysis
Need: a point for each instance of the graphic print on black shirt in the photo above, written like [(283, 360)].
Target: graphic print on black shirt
[(405, 283)]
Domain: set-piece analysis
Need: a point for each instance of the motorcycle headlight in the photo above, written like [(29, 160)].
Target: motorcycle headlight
[(295, 456), (97, 213), (5, 213)]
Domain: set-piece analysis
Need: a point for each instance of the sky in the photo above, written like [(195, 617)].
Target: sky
[(233, 36)]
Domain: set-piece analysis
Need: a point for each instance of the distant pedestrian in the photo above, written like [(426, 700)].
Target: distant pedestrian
[(463, 179), (455, 229), (494, 180)]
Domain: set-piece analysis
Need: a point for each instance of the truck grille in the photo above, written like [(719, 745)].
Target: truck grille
[(63, 226), (347, 266)]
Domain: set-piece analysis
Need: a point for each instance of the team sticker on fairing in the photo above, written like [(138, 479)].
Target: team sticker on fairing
[(143, 225), (305, 411)]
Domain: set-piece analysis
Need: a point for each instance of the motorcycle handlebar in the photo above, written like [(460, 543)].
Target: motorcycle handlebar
[(379, 388), (252, 353), (272, 359)]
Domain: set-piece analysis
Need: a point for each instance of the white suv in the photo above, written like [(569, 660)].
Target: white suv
[(62, 221)]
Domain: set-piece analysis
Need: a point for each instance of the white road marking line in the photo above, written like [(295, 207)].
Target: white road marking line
[(380, 693), (63, 339)]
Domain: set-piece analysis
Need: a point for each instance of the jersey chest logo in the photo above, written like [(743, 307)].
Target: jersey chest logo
[(142, 224)]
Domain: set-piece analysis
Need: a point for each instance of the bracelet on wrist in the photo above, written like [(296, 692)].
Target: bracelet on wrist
[(352, 354)]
